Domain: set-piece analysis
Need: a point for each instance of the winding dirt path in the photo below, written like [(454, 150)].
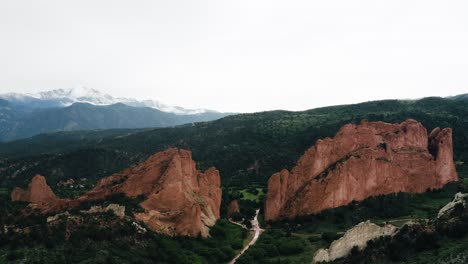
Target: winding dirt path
[(258, 231)]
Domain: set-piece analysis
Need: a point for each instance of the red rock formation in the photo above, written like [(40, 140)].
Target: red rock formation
[(179, 199), (233, 208), (363, 160), (38, 193)]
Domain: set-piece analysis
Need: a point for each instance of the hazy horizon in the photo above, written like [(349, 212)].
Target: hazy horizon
[(241, 56), (319, 106)]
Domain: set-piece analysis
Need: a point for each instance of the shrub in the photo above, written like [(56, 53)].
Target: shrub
[(237, 244), (290, 247), (330, 236)]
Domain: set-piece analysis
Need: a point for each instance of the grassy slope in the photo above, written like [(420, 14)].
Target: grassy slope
[(246, 195)]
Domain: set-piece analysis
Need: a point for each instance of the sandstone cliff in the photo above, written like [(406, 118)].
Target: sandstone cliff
[(355, 237), (363, 160), (38, 193), (177, 198)]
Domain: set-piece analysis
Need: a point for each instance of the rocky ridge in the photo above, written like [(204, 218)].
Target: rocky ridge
[(371, 158), (177, 198)]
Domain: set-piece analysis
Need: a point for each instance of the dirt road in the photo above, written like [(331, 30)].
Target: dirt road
[(258, 231)]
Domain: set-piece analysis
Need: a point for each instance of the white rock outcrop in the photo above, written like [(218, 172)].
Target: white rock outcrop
[(356, 236), (460, 198), (57, 217), (118, 210)]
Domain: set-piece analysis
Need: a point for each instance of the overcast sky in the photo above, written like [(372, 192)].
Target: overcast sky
[(238, 56)]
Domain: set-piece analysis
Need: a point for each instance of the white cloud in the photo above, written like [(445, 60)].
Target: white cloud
[(237, 55)]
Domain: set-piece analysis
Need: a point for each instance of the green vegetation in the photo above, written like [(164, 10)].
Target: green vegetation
[(441, 241), (274, 246), (83, 116), (380, 209), (253, 194), (449, 251), (104, 238), (9, 208), (246, 148), (92, 164), (319, 230)]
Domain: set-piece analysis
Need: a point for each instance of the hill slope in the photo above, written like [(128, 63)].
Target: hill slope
[(246, 148), (83, 116)]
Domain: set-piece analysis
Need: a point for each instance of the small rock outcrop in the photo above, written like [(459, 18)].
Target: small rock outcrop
[(38, 193), (364, 160), (460, 200), (116, 209), (358, 236), (233, 208)]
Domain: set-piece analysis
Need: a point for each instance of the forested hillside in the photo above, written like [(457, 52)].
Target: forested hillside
[(246, 148)]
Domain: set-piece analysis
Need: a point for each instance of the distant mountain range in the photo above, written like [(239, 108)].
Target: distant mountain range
[(67, 97), (26, 115)]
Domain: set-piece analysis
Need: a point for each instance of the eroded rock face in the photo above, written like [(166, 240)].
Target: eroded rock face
[(233, 208), (364, 160), (178, 199), (38, 193), (355, 237)]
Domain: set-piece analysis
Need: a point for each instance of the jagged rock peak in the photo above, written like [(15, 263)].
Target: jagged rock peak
[(179, 199), (38, 193), (362, 160)]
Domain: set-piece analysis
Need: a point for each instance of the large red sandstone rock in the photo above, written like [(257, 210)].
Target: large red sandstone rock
[(38, 193), (363, 160), (179, 199)]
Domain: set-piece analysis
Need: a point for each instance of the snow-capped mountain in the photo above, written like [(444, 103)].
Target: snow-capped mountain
[(27, 115), (77, 95), (67, 97)]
